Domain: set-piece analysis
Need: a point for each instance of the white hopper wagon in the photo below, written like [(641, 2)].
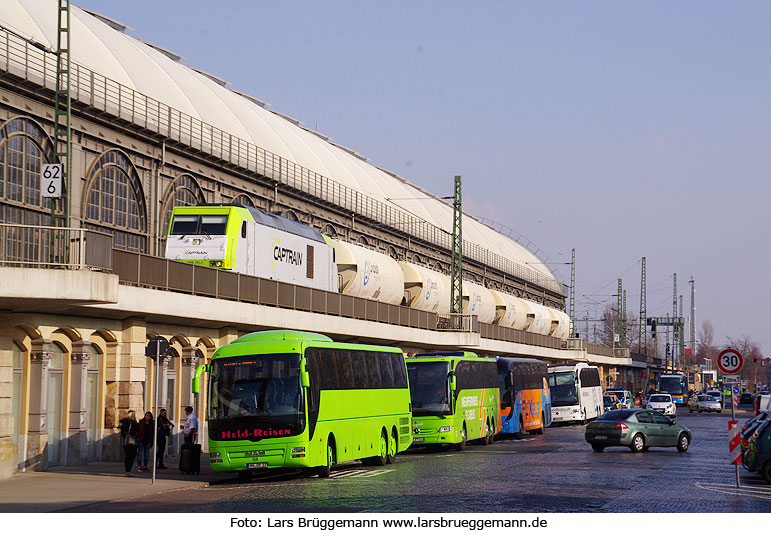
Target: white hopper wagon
[(368, 274)]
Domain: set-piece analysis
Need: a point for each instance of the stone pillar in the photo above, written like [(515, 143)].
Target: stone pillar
[(124, 391), (227, 335), (8, 450), (189, 361), (37, 440), (77, 436)]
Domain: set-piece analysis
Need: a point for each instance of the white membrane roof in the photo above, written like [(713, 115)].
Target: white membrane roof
[(104, 49)]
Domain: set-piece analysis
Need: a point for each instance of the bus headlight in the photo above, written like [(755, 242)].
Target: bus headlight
[(215, 455), (215, 264), (298, 449), (445, 429)]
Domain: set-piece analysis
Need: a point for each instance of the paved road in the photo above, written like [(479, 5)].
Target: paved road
[(556, 472)]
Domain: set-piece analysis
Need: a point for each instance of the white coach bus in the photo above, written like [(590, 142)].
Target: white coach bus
[(576, 393)]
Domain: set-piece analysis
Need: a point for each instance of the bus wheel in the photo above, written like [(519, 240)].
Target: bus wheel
[(521, 433), (325, 470), (393, 447), (462, 444), (539, 430), (380, 459)]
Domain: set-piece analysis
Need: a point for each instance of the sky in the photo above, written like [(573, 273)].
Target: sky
[(621, 129)]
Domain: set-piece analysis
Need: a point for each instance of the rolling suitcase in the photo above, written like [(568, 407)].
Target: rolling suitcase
[(190, 459)]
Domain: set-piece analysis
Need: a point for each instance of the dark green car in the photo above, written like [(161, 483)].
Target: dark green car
[(638, 429)]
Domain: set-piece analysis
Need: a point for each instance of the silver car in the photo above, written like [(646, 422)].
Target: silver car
[(704, 403), (663, 403)]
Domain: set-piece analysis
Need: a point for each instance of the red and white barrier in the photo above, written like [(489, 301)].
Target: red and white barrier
[(734, 439)]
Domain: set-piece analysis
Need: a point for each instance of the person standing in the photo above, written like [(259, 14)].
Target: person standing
[(145, 435), (164, 430), (190, 428), (129, 432)]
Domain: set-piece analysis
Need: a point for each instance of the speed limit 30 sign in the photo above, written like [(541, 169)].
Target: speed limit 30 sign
[(730, 361)]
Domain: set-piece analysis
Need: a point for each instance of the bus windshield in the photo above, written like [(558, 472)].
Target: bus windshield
[(673, 386), (207, 224), (429, 388), (260, 394), (563, 388)]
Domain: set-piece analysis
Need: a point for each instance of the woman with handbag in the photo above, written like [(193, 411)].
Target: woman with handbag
[(129, 430)]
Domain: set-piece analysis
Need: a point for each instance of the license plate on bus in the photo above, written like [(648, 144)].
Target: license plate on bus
[(418, 439), (600, 437), (260, 465)]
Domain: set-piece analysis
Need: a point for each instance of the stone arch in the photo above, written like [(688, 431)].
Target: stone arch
[(363, 241), (391, 252), (71, 333), (114, 201)]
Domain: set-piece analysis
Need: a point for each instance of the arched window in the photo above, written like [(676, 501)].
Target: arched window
[(391, 252), (115, 202), (329, 230), (24, 148), (183, 192), (290, 215), (363, 240), (243, 199)]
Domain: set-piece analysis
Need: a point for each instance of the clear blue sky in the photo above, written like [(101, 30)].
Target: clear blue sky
[(620, 129)]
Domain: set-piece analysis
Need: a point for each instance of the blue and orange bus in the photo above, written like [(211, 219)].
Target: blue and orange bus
[(675, 385), (525, 397)]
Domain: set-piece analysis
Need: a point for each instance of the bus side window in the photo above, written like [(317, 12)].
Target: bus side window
[(243, 230)]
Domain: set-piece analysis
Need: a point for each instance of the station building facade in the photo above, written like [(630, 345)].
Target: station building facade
[(72, 356)]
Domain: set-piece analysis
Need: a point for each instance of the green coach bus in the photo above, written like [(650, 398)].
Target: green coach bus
[(455, 398), (295, 399)]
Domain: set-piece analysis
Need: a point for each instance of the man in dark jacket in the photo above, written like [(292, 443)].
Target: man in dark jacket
[(164, 430)]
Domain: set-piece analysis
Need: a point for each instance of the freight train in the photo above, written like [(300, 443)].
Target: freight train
[(253, 242)]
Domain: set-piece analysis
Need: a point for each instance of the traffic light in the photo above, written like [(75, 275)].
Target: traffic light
[(754, 359), (653, 328)]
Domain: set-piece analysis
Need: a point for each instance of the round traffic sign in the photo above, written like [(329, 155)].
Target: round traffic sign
[(730, 361)]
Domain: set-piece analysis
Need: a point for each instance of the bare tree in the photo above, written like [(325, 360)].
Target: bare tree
[(753, 372)]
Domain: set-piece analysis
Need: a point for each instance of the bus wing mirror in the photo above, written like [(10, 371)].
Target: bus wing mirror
[(453, 382), (200, 369), (305, 379)]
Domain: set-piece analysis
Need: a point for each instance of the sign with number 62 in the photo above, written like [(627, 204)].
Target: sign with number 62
[(51, 180)]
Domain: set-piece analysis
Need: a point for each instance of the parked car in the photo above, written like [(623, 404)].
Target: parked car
[(746, 398), (610, 402), (762, 416), (757, 457), (638, 429), (624, 396), (717, 395), (747, 434), (704, 403), (662, 402)]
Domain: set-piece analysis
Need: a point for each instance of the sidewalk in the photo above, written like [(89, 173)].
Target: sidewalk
[(60, 488)]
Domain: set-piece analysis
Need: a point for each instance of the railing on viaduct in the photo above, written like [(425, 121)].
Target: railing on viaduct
[(55, 247)]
